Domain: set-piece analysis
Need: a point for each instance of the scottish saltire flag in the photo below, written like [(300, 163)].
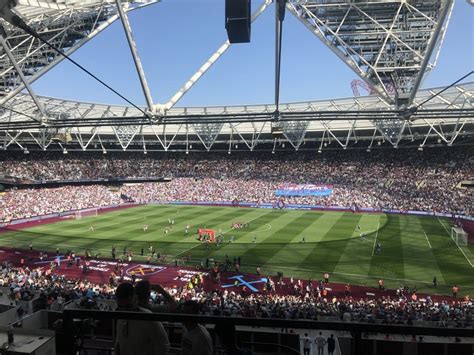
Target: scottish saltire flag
[(304, 190)]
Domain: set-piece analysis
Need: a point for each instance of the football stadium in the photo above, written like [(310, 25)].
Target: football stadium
[(280, 202)]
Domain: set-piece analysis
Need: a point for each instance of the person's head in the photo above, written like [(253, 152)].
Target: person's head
[(125, 295), (305, 334), (320, 333), (142, 290), (190, 307), (332, 335)]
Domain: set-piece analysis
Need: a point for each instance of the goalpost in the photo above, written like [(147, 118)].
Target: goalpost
[(459, 236), (91, 212)]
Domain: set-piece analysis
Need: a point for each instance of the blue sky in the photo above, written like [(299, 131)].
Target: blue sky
[(175, 37)]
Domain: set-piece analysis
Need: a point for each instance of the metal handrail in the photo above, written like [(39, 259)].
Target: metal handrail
[(217, 349), (281, 346), (70, 314), (356, 329)]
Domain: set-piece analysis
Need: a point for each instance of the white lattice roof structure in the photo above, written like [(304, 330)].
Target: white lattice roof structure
[(390, 44)]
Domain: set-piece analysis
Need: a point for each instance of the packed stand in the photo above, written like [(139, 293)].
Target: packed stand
[(36, 202), (390, 179), (295, 300), (25, 284)]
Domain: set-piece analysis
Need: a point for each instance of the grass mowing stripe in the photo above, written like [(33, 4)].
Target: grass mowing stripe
[(98, 243), (78, 241), (452, 266), (223, 232), (446, 229), (113, 225), (101, 222), (98, 234), (244, 248), (134, 232), (354, 258), (225, 218), (295, 246), (389, 236), (291, 236), (218, 222), (414, 246), (325, 225), (285, 226), (331, 242), (162, 242), (326, 254)]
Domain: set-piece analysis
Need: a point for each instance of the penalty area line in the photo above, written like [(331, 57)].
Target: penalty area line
[(427, 240), (375, 240), (462, 251), (442, 224)]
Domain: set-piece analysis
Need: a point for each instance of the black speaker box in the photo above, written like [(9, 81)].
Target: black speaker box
[(237, 20)]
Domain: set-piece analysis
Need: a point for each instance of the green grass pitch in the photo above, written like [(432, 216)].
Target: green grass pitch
[(414, 248)]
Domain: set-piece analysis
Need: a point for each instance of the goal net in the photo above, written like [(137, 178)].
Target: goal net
[(92, 212), (459, 236)]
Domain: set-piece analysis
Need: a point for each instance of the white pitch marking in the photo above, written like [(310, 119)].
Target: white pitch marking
[(427, 239), (375, 240), (462, 251)]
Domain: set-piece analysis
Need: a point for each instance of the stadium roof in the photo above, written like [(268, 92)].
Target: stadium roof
[(230, 121), (391, 45)]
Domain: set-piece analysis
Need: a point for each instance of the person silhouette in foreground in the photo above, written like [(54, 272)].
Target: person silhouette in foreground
[(196, 339), (228, 338), (143, 291), (133, 334)]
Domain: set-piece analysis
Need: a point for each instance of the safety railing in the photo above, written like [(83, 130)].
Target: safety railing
[(356, 329)]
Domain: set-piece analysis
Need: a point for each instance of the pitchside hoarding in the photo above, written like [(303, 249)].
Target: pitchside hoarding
[(304, 190)]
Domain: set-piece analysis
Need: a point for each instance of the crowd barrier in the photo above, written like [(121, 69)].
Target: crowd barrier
[(357, 330)]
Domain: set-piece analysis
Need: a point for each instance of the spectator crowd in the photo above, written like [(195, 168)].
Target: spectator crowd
[(298, 300), (402, 180), (35, 202)]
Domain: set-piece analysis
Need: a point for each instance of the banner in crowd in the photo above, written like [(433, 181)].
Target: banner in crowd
[(304, 190)]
